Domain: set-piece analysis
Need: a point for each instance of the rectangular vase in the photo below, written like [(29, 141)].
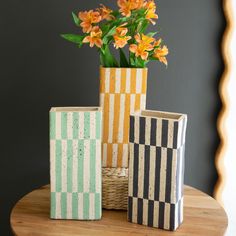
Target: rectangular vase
[(122, 91), (75, 162), (156, 169)]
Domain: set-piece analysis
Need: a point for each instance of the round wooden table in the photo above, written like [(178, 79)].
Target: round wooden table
[(30, 216)]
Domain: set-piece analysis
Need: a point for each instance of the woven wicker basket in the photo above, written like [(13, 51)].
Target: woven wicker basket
[(115, 188)]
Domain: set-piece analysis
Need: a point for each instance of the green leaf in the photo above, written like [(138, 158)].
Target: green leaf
[(107, 59), (76, 19), (142, 26), (123, 60), (151, 34), (109, 35), (139, 62), (74, 38)]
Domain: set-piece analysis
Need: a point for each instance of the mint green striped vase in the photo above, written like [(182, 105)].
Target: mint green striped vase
[(75, 163)]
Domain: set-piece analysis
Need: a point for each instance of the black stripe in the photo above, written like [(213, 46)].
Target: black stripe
[(164, 133), (178, 173), (150, 212), (157, 174), (168, 174), (142, 125), (153, 132), (161, 215), (175, 136), (130, 208), (146, 171), (131, 129), (172, 217), (140, 211), (135, 169)]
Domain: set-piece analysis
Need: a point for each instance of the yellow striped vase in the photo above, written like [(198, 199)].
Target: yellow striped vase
[(122, 91)]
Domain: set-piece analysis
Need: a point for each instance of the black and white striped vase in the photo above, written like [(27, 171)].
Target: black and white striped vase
[(156, 169)]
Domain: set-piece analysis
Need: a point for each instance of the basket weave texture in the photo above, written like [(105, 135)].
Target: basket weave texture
[(115, 188)]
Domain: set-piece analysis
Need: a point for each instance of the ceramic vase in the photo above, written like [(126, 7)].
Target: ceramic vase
[(156, 169), (75, 162), (122, 91)]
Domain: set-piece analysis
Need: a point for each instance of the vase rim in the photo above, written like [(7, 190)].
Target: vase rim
[(132, 68)]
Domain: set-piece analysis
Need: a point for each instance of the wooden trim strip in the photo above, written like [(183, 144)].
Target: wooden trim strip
[(219, 158)]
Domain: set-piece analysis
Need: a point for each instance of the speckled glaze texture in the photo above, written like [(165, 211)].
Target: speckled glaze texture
[(75, 164), (156, 169)]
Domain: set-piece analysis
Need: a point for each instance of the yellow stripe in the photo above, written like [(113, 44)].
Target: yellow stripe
[(123, 80), (116, 118), (126, 119), (144, 81), (109, 154), (106, 117), (120, 154), (102, 80), (112, 79), (133, 81), (137, 102)]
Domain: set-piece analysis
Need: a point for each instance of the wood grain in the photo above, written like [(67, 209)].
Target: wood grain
[(30, 216)]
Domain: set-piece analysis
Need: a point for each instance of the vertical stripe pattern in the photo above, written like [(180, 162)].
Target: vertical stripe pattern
[(156, 169), (122, 91), (75, 164)]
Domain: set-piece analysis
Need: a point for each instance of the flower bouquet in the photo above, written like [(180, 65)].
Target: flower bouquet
[(103, 27)]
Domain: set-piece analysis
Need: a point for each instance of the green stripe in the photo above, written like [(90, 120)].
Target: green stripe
[(52, 116), (53, 205), (80, 166), (69, 165), (92, 165), (58, 165), (64, 125), (98, 206), (75, 124), (75, 205), (63, 205), (98, 125), (86, 125), (86, 206)]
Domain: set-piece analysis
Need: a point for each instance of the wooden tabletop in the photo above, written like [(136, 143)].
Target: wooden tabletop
[(30, 216)]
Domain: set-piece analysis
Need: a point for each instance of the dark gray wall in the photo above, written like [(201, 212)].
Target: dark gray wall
[(39, 70)]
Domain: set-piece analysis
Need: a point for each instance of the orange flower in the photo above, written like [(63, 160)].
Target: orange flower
[(144, 39), (144, 45), (161, 53), (120, 42), (94, 37), (88, 18), (121, 30), (126, 6), (157, 43), (106, 13), (151, 9), (120, 37)]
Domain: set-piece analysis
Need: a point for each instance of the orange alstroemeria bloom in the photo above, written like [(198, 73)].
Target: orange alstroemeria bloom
[(144, 39), (126, 6), (120, 37), (120, 42), (144, 45), (106, 13), (94, 37), (157, 43), (161, 53), (151, 11), (88, 18)]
